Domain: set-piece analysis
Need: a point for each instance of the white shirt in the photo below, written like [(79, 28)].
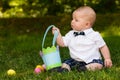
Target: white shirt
[(84, 47)]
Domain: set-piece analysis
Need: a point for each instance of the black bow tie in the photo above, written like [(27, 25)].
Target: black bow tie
[(78, 33)]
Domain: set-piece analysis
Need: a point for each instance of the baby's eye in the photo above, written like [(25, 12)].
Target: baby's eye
[(76, 20)]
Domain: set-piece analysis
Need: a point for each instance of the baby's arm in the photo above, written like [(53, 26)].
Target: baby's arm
[(106, 54), (59, 38)]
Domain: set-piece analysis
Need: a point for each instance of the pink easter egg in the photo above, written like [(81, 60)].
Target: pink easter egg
[(44, 66), (37, 70)]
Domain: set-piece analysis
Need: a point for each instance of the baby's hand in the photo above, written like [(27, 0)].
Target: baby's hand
[(108, 63), (55, 28)]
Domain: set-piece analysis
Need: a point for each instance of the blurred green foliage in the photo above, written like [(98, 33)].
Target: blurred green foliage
[(38, 8), (104, 23)]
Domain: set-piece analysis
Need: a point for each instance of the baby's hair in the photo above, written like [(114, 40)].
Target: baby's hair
[(89, 12)]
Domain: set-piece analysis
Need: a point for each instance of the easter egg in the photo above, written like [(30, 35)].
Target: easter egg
[(11, 72), (44, 66), (41, 67), (37, 70)]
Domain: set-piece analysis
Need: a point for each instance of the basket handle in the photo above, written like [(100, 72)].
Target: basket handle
[(54, 38)]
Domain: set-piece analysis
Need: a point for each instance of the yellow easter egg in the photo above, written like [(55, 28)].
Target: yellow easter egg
[(11, 72), (39, 66)]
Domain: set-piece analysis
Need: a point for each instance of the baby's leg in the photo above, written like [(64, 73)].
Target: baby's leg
[(94, 66), (66, 66)]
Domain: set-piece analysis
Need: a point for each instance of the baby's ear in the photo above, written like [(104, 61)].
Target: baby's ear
[(88, 24)]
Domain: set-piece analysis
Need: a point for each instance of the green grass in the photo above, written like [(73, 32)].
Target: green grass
[(21, 53), (19, 49)]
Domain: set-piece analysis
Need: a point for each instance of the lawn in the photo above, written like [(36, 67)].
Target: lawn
[(19, 50)]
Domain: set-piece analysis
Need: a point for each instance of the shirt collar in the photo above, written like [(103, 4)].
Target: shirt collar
[(87, 31)]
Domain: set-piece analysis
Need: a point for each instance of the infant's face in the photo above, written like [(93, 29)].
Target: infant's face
[(79, 21)]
